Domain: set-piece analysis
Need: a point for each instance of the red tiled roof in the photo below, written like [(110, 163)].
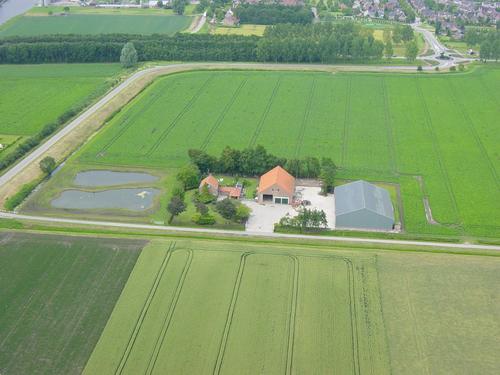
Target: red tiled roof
[(210, 180), (280, 177), (233, 192)]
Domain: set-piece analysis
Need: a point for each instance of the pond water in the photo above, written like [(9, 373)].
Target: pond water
[(129, 199), (110, 178)]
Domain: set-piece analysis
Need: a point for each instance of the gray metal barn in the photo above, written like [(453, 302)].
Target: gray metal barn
[(361, 205)]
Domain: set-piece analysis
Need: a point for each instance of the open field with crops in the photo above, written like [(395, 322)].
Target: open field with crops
[(56, 294), (32, 96), (240, 30), (195, 306), (96, 24), (436, 136)]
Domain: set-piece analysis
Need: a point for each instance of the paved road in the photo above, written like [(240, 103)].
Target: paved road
[(164, 228), (200, 23), (12, 8), (438, 48), (42, 149)]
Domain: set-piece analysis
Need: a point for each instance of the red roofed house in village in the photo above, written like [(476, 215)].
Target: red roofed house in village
[(276, 186)]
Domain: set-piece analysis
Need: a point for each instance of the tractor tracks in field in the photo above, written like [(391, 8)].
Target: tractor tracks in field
[(345, 131), (128, 122), (222, 115), (305, 118), (264, 115), (179, 116), (145, 308), (472, 129), (388, 124), (354, 317), (293, 315), (168, 317), (230, 314), (437, 150)]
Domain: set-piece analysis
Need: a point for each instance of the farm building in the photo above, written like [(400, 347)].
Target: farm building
[(276, 186), (361, 205), (212, 185)]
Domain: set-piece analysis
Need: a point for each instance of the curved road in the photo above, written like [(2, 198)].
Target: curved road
[(11, 173), (7, 215)]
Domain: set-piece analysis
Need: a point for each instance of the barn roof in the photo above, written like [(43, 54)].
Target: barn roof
[(360, 195), (280, 177), (211, 181)]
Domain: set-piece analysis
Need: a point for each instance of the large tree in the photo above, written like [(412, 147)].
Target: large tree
[(175, 207), (411, 51), (128, 56), (47, 164)]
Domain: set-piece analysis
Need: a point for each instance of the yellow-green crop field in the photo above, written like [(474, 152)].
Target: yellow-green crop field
[(241, 30), (436, 136), (196, 307)]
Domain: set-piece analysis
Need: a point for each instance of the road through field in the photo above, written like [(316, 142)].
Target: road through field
[(15, 216), (8, 177)]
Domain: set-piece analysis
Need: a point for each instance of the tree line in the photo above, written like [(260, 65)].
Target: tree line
[(325, 43), (255, 161), (318, 43), (272, 14)]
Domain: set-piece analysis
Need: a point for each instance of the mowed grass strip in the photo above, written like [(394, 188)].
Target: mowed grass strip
[(96, 24), (57, 294), (32, 96), (379, 127), (232, 308)]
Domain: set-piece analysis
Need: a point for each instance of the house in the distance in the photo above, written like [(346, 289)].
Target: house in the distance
[(276, 186), (212, 185), (361, 205), (214, 188)]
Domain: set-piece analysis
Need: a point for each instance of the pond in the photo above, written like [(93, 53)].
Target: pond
[(139, 199), (110, 178)]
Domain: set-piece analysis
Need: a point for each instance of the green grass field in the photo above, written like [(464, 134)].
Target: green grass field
[(434, 135), (196, 307), (96, 24), (32, 96), (57, 293)]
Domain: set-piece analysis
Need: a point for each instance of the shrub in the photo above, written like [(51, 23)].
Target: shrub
[(226, 208), (242, 213), (205, 196), (203, 219), (436, 68), (47, 164), (453, 68), (12, 202), (461, 67), (419, 68), (201, 208)]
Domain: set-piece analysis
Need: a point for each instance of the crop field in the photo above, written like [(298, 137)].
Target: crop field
[(32, 96), (241, 30), (198, 307), (57, 292), (436, 136), (96, 24)]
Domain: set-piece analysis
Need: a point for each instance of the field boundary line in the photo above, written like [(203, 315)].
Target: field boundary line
[(168, 317), (354, 317), (293, 315), (28, 302), (222, 115), (179, 116), (347, 116), (264, 115), (472, 128), (437, 151), (305, 119), (128, 122), (230, 314), (389, 128), (145, 309)]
